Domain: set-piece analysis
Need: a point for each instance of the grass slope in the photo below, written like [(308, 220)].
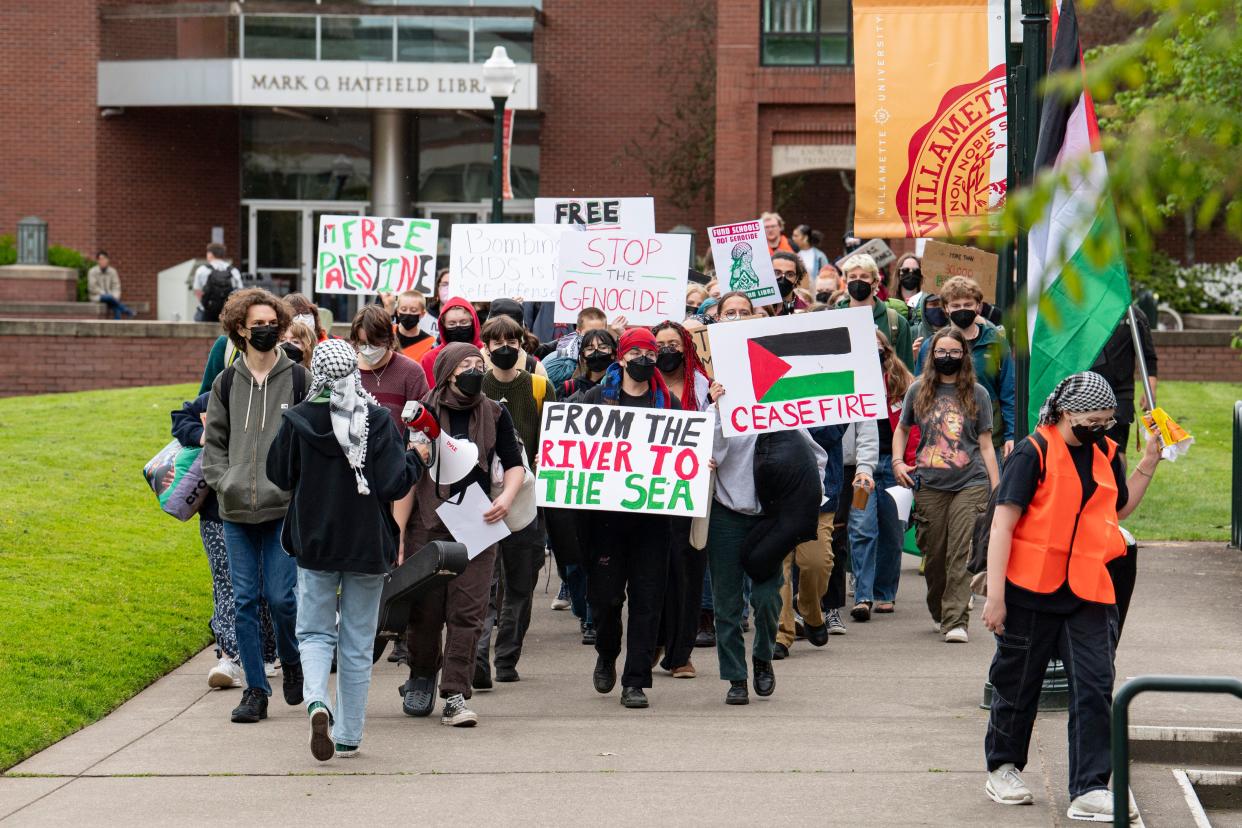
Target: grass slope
[(103, 592), (1189, 499)]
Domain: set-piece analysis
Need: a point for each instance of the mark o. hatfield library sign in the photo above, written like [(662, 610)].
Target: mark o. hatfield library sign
[(305, 83)]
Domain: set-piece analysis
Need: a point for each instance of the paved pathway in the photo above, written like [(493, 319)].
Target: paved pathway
[(882, 726)]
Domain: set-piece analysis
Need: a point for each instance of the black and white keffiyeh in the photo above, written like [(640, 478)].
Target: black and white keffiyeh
[(334, 367), (1085, 391)]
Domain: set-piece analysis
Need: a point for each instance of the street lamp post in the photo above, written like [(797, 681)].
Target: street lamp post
[(499, 78)]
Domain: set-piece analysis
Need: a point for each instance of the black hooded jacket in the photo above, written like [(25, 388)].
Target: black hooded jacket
[(330, 526)]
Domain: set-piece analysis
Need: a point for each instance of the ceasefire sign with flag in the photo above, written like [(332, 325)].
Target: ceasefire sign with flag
[(797, 371)]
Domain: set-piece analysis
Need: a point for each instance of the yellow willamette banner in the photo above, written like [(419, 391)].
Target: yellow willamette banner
[(931, 116)]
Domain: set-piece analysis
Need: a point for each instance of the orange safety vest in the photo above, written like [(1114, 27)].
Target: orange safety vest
[(1059, 537)]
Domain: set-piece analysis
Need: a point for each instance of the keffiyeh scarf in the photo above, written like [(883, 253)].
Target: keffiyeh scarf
[(334, 367)]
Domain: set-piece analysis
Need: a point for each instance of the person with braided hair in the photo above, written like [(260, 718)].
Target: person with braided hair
[(343, 459), (678, 362), (1050, 592)]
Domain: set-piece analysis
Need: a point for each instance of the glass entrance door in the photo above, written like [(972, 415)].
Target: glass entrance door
[(283, 248)]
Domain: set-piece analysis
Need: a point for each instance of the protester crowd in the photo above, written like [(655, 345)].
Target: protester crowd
[(319, 491)]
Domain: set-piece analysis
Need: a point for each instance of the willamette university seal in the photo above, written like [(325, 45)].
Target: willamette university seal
[(950, 174)]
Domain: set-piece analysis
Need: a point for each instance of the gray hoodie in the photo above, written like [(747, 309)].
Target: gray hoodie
[(239, 433), (860, 446)]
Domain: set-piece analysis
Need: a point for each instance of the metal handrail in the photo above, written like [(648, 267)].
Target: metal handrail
[(1236, 490), (1121, 724)]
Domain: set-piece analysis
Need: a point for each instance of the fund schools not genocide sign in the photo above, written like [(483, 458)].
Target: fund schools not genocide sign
[(743, 261), (639, 276), (799, 371), (366, 254), (620, 459)]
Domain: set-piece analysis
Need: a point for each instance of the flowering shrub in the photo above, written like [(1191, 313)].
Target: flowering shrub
[(1201, 288)]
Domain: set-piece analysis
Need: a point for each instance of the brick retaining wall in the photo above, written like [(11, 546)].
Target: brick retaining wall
[(41, 356)]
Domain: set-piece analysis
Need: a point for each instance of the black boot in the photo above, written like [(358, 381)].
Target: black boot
[(633, 697), (707, 629), (292, 684), (765, 679), (737, 693), (605, 676)]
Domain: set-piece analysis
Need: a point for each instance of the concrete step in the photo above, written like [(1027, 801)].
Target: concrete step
[(1211, 322), (63, 310)]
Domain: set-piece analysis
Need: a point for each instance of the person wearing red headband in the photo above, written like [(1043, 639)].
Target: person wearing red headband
[(628, 551)]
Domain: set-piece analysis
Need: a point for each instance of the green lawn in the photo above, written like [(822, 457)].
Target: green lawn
[(102, 592), (1189, 498)]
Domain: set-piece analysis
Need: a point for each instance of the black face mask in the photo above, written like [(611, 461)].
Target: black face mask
[(598, 360), (263, 338), (669, 361), (859, 290), (1088, 435), (409, 321), (786, 286), (470, 382), (947, 365), (910, 279), (465, 334), (504, 358), (935, 317), (292, 351), (962, 318), (640, 369), (691, 310), (822, 297)]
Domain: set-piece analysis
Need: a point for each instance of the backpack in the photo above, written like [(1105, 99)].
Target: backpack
[(216, 291), (894, 327), (982, 534), (300, 383)]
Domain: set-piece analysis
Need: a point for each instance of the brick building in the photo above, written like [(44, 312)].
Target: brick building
[(150, 127)]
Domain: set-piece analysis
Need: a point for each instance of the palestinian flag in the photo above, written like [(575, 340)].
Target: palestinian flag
[(1076, 277), (801, 365)]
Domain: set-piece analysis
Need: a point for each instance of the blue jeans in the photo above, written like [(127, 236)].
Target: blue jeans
[(260, 568), (115, 306), (318, 637), (576, 581), (876, 540)]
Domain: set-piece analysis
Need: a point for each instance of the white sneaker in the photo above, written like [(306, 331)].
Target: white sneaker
[(1097, 806), (270, 668), (1005, 786), (457, 714), (957, 635), (561, 601), (228, 673)]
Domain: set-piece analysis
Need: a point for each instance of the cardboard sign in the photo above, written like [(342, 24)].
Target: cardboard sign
[(799, 371), (702, 345), (743, 261), (941, 262), (367, 254), (641, 277), (634, 215), (621, 459), (877, 249), (491, 261)]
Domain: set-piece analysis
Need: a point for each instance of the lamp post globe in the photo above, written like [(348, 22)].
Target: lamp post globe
[(499, 78)]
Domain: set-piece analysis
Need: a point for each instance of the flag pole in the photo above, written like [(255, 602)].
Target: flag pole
[(1034, 68), (1142, 360)]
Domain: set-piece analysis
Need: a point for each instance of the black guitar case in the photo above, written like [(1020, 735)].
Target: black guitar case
[(435, 563)]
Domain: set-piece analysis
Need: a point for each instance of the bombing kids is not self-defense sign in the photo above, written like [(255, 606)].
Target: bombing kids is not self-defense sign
[(635, 215), (368, 254), (799, 371), (743, 261), (639, 276), (490, 261), (621, 459)]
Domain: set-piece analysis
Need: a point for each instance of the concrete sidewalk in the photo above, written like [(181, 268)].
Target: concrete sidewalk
[(882, 726)]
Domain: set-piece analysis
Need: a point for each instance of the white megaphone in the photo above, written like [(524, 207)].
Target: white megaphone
[(454, 459)]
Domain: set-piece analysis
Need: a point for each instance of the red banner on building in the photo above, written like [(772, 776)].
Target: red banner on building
[(507, 126), (931, 110)]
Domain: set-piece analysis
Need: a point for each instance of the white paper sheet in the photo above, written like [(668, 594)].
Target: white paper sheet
[(904, 498), (465, 521)]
